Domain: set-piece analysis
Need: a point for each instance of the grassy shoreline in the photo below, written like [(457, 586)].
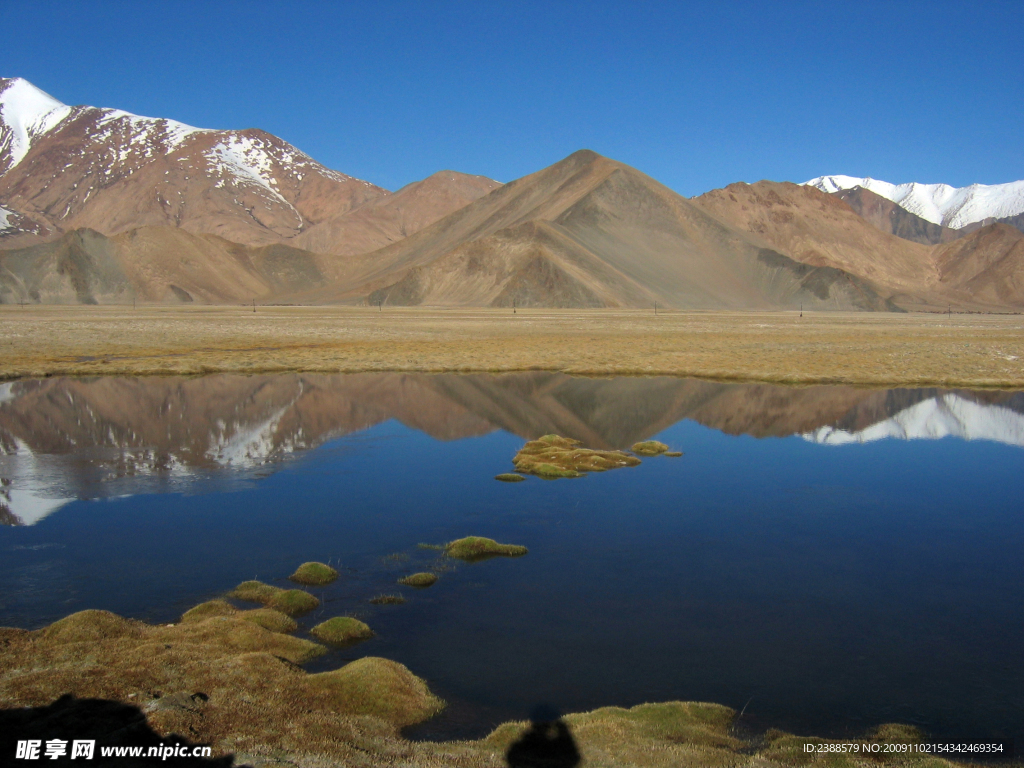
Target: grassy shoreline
[(859, 349)]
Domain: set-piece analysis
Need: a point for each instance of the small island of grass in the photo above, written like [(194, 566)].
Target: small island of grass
[(653, 448), (473, 548), (342, 630), (314, 574), (254, 592), (509, 477), (420, 580), (551, 457), (649, 448)]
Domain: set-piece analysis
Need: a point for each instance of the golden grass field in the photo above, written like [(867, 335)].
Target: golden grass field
[(866, 348)]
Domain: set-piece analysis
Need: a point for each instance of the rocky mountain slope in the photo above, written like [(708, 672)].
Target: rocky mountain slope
[(591, 232), (67, 167), (386, 220), (154, 264)]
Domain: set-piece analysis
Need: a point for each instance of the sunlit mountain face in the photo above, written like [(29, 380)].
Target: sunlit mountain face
[(65, 439)]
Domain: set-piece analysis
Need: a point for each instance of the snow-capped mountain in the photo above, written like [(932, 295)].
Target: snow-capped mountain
[(953, 207), (110, 170)]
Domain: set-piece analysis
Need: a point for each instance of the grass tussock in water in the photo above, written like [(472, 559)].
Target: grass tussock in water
[(341, 630), (509, 477), (420, 580), (293, 602), (649, 448), (673, 454), (254, 592), (257, 704), (438, 547), (474, 548), (314, 574), (552, 457), (388, 600)]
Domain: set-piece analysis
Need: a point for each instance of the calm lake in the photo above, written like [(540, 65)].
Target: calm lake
[(825, 558)]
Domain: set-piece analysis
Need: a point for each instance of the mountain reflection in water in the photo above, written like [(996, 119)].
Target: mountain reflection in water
[(61, 438)]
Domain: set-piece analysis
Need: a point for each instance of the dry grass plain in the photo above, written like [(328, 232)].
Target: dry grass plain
[(879, 349), (866, 348)]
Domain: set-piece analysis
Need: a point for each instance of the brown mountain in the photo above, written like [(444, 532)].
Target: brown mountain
[(112, 171), (388, 219), (65, 168), (986, 266), (889, 217), (818, 229), (976, 270), (589, 231), (153, 264)]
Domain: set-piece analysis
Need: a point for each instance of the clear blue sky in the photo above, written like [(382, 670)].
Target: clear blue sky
[(697, 95)]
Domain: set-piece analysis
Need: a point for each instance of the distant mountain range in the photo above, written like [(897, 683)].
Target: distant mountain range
[(62, 439), (102, 206)]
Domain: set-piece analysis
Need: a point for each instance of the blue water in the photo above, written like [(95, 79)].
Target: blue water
[(826, 589)]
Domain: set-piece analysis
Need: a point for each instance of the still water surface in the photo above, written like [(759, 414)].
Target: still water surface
[(829, 558)]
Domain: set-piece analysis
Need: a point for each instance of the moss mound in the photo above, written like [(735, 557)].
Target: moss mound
[(342, 630), (473, 548), (673, 454), (90, 626), (420, 580), (379, 688), (649, 448), (552, 457), (270, 619), (509, 477), (209, 608), (254, 592), (315, 574), (293, 602)]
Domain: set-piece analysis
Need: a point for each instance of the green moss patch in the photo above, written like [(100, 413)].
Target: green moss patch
[(420, 580), (342, 630), (209, 608), (649, 448), (379, 688), (255, 592), (474, 548), (509, 477), (271, 619), (552, 457), (673, 454), (313, 573), (294, 602)]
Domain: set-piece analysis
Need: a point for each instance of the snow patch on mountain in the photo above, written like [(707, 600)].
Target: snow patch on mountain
[(954, 207), (947, 416), (25, 114), (4, 220), (170, 133)]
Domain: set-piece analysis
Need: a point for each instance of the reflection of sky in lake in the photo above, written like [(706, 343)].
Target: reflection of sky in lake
[(832, 587)]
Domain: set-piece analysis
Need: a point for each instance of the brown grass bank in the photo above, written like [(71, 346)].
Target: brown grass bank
[(868, 348)]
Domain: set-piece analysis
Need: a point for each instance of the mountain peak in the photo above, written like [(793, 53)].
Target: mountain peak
[(25, 113), (942, 204)]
